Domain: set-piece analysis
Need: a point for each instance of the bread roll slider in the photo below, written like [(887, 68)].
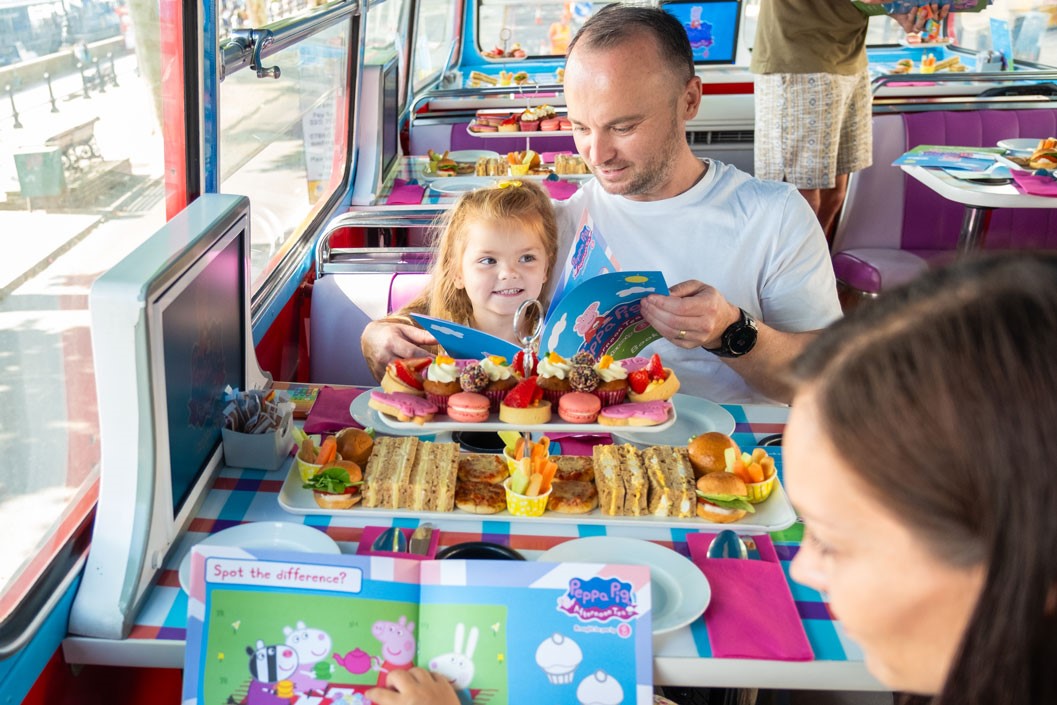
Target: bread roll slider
[(337, 486), (708, 452), (722, 497)]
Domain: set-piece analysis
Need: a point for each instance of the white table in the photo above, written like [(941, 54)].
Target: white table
[(978, 199)]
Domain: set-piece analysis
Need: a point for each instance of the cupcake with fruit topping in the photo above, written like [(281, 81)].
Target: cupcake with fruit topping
[(613, 381), (501, 379), (553, 372), (441, 381), (405, 376), (653, 382)]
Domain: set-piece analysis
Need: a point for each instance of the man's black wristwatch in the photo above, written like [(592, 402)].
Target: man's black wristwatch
[(738, 339)]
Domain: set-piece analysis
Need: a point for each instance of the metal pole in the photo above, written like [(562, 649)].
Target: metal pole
[(14, 110), (84, 80), (113, 70), (100, 84), (51, 93)]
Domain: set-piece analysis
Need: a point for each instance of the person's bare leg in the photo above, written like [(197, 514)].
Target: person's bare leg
[(811, 195), (830, 202)]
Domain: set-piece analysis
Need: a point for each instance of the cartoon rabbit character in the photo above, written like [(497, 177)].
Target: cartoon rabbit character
[(458, 665), (312, 647), (398, 647)]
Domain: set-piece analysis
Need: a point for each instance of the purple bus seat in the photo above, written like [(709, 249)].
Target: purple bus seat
[(404, 287), (540, 141), (893, 227)]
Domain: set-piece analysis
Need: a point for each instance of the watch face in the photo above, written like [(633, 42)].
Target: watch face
[(742, 340)]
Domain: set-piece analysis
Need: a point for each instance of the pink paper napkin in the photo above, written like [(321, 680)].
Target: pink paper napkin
[(751, 613), (559, 190), (330, 413), (370, 533), (404, 193), (1029, 183), (576, 444)]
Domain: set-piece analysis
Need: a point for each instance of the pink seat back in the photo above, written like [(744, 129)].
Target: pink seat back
[(404, 287)]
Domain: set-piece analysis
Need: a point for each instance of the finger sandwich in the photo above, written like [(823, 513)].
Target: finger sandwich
[(671, 478), (389, 471)]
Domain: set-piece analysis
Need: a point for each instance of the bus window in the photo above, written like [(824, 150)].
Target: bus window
[(245, 14), (81, 184), (283, 142), (540, 29), (434, 40)]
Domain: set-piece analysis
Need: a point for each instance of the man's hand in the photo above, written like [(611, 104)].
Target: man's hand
[(383, 341), (914, 21), (692, 315), (414, 687)]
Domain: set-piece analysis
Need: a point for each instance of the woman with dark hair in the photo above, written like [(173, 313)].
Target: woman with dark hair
[(921, 454)]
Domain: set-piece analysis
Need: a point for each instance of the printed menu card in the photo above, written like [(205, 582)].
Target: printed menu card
[(279, 628)]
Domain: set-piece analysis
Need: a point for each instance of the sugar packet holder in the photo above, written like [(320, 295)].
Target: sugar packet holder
[(258, 429)]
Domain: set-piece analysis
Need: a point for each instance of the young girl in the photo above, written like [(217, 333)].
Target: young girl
[(496, 248)]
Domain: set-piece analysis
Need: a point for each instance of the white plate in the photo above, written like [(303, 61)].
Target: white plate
[(461, 184), (555, 425), (696, 416), (925, 45), (462, 156), (367, 417), (679, 591), (1021, 146), (773, 515), (278, 535)]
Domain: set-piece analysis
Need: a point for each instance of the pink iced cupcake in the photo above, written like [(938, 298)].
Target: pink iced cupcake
[(613, 385), (441, 381), (553, 377)]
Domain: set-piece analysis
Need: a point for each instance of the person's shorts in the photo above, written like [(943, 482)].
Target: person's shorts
[(810, 127)]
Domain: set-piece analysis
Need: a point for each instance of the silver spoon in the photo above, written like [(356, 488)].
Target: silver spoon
[(727, 544)]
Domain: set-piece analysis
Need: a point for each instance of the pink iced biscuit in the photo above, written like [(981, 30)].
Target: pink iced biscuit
[(404, 407), (642, 413), (468, 407)]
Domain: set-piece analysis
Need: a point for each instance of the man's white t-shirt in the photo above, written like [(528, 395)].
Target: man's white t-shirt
[(757, 242)]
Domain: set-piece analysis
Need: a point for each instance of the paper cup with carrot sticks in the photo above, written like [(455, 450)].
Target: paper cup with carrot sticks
[(531, 473), (757, 470), (311, 461)]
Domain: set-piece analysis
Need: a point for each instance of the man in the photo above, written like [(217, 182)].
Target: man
[(813, 101), (754, 272)]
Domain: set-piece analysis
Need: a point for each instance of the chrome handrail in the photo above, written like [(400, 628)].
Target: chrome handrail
[(375, 259)]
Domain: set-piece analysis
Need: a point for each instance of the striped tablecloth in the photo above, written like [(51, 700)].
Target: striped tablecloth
[(682, 657)]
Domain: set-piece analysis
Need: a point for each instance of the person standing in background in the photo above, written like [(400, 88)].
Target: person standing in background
[(813, 100)]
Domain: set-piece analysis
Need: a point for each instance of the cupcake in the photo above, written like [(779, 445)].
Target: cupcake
[(501, 379), (613, 381), (559, 656), (583, 378), (441, 381), (599, 688), (553, 371)]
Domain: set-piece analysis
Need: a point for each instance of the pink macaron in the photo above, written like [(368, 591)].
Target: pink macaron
[(468, 407), (579, 407)]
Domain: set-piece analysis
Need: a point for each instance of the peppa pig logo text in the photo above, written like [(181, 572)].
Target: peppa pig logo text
[(600, 599)]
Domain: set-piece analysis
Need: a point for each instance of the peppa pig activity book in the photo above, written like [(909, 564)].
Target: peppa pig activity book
[(595, 307), (280, 628)]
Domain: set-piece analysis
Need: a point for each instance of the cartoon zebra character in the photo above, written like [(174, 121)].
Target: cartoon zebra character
[(269, 664)]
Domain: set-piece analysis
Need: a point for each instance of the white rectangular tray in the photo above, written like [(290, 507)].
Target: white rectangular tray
[(774, 514)]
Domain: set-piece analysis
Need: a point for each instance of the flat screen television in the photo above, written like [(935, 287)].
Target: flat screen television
[(377, 129), (711, 26), (170, 330)]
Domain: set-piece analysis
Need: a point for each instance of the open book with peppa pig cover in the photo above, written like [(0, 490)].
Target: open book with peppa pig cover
[(280, 628), (595, 307)]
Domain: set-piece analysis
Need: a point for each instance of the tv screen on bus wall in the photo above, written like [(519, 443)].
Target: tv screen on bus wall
[(711, 26), (202, 346)]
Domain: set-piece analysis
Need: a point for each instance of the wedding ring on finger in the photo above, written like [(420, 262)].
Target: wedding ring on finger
[(681, 335)]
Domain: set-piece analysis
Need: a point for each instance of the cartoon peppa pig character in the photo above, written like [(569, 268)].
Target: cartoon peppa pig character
[(398, 647), (312, 647)]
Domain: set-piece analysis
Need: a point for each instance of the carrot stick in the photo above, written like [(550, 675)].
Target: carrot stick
[(534, 485), (549, 468), (519, 448), (327, 451)]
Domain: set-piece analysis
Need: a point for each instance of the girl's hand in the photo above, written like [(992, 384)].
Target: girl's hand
[(414, 687)]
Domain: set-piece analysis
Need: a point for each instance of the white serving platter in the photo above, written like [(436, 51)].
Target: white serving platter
[(774, 514)]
